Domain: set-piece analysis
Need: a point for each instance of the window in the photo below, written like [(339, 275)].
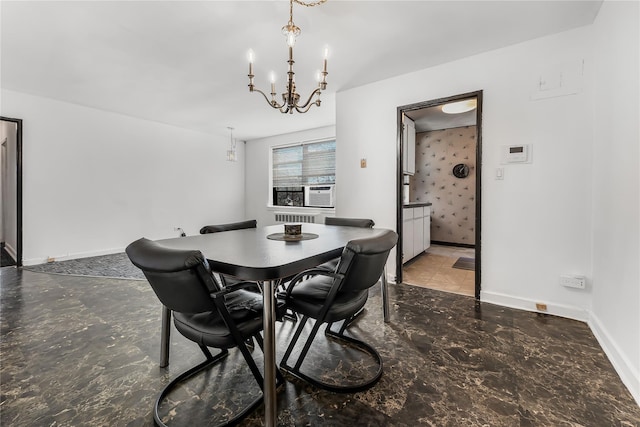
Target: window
[(307, 165)]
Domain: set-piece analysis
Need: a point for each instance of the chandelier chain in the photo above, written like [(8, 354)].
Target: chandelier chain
[(315, 3), (300, 2)]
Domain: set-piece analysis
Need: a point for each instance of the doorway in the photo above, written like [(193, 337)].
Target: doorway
[(11, 189), (447, 183)]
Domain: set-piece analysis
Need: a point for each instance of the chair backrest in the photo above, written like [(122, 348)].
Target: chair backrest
[(252, 223), (180, 278), (350, 222), (363, 260)]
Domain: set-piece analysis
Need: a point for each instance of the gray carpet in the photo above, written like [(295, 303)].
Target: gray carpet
[(114, 266)]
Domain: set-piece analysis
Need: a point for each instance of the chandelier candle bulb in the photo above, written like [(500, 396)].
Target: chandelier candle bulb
[(250, 56), (326, 55)]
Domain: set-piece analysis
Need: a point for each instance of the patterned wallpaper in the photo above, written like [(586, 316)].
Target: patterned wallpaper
[(453, 208)]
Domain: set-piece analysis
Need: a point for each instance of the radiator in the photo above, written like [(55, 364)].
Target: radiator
[(290, 217)]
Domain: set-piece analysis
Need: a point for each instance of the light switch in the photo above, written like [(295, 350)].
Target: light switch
[(363, 163), (500, 173)]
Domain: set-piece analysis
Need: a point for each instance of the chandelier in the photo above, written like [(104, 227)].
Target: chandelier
[(291, 98)]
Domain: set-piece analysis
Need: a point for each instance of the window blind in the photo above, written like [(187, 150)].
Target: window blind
[(305, 164)]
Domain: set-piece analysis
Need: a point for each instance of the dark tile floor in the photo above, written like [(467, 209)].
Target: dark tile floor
[(79, 351)]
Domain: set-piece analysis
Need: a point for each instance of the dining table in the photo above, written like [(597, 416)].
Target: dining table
[(267, 255)]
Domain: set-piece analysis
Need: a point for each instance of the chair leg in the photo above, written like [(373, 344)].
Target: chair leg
[(165, 337), (296, 335), (211, 360), (252, 364), (346, 323), (360, 345), (307, 345)]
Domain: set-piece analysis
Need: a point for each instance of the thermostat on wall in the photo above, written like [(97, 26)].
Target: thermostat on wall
[(516, 153)]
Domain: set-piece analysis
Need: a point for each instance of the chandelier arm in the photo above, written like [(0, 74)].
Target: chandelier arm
[(316, 91), (272, 103), (302, 111)]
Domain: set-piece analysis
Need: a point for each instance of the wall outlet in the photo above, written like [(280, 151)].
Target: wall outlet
[(51, 259), (541, 307), (570, 281)]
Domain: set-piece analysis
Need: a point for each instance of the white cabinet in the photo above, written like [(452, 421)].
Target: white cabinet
[(416, 231), (407, 234), (408, 146), (427, 228)]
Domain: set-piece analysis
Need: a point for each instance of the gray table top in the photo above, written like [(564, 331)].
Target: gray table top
[(248, 253)]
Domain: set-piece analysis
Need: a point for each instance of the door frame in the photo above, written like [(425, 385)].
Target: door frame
[(399, 179), (18, 123)]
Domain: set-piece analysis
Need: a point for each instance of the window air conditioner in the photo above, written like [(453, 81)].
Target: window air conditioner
[(320, 196)]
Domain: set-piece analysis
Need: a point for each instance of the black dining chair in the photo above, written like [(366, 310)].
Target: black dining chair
[(204, 312), (331, 297), (348, 222), (217, 228), (332, 264), (251, 223), (225, 280)]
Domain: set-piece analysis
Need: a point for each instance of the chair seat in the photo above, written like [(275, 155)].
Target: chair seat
[(209, 329), (307, 298)]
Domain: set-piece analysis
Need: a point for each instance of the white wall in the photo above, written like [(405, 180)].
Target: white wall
[(3, 167), (573, 210), (258, 191), (9, 220), (616, 236), (536, 223), (94, 181)]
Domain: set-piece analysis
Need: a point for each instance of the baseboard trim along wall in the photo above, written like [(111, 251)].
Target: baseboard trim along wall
[(561, 310), (629, 376), (37, 261)]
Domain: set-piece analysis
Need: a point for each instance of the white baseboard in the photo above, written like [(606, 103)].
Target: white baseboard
[(627, 373), (36, 261), (629, 376), (561, 310)]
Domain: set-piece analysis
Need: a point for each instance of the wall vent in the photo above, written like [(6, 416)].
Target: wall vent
[(289, 217)]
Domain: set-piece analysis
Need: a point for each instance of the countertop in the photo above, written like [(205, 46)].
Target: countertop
[(416, 204)]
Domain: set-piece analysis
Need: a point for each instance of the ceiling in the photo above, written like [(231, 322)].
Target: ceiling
[(433, 118), (184, 63)]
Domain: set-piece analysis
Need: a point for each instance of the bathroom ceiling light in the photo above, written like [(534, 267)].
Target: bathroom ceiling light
[(460, 106)]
